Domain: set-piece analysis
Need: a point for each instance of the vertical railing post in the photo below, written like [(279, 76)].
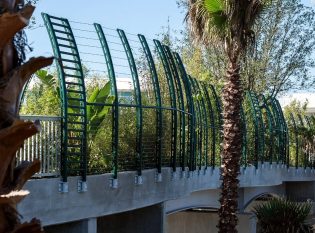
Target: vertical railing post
[(295, 131), (212, 124), (205, 121), (191, 117), (136, 84), (73, 96), (198, 129), (115, 108), (172, 96), (271, 127), (158, 101), (244, 136), (181, 106)]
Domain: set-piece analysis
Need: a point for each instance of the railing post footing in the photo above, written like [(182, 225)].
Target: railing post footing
[(113, 183), (81, 186), (205, 171), (174, 175), (158, 177), (182, 174), (63, 187), (190, 174), (138, 180)]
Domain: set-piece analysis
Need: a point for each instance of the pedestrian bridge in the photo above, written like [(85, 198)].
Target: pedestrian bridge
[(154, 142)]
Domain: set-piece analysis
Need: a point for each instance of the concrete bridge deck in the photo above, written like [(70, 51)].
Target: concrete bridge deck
[(174, 193)]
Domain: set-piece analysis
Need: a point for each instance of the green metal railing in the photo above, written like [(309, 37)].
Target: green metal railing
[(186, 114), (73, 96)]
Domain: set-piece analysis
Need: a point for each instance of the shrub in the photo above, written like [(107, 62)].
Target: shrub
[(283, 216)]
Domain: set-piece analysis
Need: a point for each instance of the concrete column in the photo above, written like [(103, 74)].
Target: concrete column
[(92, 225), (144, 220), (84, 226)]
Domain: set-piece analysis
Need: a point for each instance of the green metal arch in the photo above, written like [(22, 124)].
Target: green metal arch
[(259, 127), (72, 123), (244, 137), (172, 93), (198, 128), (301, 123), (212, 124), (311, 151), (158, 100), (205, 121), (180, 98), (191, 118), (271, 126), (285, 133), (115, 108), (136, 84), (280, 130), (296, 136)]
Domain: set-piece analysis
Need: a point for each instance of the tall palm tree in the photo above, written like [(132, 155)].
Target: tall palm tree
[(14, 73), (227, 23)]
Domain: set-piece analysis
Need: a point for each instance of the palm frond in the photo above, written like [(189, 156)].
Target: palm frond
[(282, 215), (207, 20)]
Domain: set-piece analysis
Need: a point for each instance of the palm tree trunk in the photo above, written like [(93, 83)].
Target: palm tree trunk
[(231, 153), (13, 132)]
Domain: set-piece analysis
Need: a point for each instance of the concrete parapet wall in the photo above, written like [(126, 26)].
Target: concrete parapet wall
[(177, 191)]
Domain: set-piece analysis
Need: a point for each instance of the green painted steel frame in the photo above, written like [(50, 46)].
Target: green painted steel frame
[(285, 133), (198, 128), (181, 104), (301, 123), (189, 98), (158, 100), (204, 122), (64, 24), (310, 125), (296, 136), (271, 124), (280, 130), (259, 127), (212, 124), (244, 138), (136, 84), (172, 96), (191, 118), (115, 108)]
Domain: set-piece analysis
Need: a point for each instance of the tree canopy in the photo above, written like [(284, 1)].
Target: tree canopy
[(281, 60)]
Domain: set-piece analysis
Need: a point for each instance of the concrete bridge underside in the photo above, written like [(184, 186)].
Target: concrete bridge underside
[(101, 204)]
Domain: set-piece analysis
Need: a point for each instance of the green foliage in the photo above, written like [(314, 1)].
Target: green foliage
[(97, 113), (281, 61), (302, 133), (283, 216), (43, 95)]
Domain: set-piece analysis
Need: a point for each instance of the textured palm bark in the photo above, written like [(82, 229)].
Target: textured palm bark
[(231, 153), (13, 131)]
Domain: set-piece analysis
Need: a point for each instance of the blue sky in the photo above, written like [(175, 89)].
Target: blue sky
[(137, 16), (147, 17)]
